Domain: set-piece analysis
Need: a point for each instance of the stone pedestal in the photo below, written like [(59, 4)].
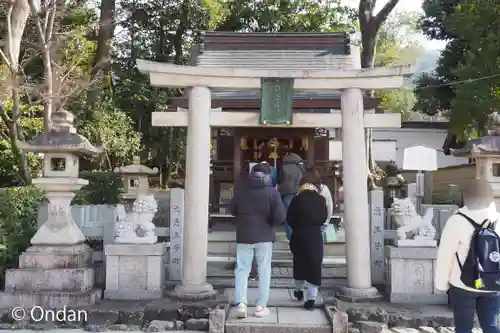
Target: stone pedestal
[(51, 277), (410, 275), (57, 270), (134, 271)]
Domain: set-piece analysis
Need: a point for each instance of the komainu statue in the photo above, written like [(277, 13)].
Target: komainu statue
[(137, 227), (408, 221)]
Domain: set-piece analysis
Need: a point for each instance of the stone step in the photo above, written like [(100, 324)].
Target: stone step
[(282, 254), (230, 246), (396, 315), (231, 258), (370, 327), (49, 299), (227, 271), (39, 279), (281, 319), (276, 282), (230, 236)]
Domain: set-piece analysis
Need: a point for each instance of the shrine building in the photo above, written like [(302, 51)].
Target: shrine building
[(256, 96)]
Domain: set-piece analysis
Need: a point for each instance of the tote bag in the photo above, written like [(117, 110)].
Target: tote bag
[(329, 234)]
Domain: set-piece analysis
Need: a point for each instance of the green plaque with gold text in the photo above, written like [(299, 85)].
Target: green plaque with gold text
[(276, 98)]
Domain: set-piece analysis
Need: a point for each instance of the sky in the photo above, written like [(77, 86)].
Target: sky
[(406, 5)]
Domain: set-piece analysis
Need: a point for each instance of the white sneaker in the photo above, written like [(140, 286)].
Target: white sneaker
[(261, 311), (241, 311)]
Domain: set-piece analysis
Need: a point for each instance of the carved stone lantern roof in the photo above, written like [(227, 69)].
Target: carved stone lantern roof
[(62, 138), (136, 168), (489, 144)]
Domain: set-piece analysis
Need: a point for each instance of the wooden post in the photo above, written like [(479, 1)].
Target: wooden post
[(310, 149), (236, 155)]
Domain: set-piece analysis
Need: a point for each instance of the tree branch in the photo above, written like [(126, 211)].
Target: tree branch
[(50, 27), (6, 60), (4, 116), (384, 13), (9, 31)]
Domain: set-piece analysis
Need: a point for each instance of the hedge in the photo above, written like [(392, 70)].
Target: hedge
[(18, 222)]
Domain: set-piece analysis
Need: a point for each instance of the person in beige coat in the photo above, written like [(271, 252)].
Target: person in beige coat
[(453, 250)]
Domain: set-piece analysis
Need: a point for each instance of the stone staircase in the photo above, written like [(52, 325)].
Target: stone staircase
[(221, 261)]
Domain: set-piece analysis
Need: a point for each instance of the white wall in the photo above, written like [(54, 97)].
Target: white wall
[(407, 137), (383, 151)]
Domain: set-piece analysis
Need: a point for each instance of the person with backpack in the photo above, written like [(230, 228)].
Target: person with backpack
[(292, 170), (468, 260)]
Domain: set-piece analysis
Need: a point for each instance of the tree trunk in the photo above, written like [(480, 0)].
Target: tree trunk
[(17, 17), (102, 61), (368, 43), (370, 24)]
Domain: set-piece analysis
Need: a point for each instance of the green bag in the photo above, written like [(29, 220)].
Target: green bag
[(329, 234)]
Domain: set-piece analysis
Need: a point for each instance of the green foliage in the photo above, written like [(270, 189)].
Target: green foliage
[(473, 53), (31, 125), (291, 15), (477, 22), (18, 221), (397, 42), (104, 188), (400, 100), (396, 46), (9, 170), (433, 23), (113, 130)]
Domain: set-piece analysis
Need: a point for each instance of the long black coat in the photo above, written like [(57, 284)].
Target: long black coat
[(306, 214)]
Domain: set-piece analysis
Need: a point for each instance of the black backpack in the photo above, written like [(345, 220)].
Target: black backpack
[(481, 268)]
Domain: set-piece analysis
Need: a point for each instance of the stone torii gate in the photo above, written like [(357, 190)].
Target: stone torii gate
[(200, 117)]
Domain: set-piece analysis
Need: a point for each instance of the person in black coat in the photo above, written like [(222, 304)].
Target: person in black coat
[(306, 215)]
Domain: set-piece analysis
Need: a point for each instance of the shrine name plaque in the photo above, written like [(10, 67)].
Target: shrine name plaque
[(276, 101)]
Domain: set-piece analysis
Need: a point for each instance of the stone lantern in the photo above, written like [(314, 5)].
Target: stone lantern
[(135, 178), (486, 152), (61, 148), (393, 184), (56, 270)]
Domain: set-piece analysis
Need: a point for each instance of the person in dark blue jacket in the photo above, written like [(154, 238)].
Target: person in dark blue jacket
[(258, 209)]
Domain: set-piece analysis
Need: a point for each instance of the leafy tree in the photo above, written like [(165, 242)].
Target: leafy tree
[(396, 46), (463, 86), (476, 22), (114, 131)]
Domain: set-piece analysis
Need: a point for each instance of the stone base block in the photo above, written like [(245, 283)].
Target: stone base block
[(358, 294), (134, 271), (49, 257), (193, 292), (410, 275), (418, 298), (39, 279), (415, 242), (49, 299)]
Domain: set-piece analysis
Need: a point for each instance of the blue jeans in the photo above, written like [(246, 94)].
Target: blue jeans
[(244, 257), (286, 201), (465, 303)]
